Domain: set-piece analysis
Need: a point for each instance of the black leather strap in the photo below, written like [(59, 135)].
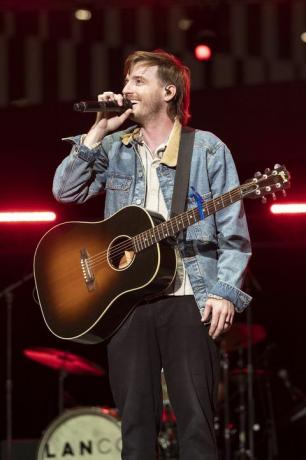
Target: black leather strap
[(181, 181)]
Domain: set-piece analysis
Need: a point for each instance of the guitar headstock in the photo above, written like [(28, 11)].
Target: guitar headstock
[(268, 183)]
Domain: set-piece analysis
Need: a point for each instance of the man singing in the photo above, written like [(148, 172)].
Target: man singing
[(176, 330)]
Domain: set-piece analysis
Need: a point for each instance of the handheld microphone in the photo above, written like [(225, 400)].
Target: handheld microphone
[(102, 106)]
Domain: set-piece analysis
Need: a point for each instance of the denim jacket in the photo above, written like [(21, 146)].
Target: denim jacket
[(215, 251)]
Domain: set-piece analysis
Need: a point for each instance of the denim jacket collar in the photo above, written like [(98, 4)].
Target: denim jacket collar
[(170, 154)]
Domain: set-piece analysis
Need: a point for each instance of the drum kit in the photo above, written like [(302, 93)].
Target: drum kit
[(82, 432), (94, 432)]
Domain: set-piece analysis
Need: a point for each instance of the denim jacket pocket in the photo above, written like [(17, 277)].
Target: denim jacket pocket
[(204, 230), (117, 182)]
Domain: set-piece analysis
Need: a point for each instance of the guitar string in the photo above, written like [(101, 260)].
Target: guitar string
[(116, 250), (128, 244)]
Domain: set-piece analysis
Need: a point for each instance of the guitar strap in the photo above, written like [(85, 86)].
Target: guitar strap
[(181, 181)]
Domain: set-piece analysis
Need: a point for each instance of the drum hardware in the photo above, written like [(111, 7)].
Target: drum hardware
[(167, 439), (297, 396), (65, 363), (227, 425), (241, 336), (237, 336), (242, 452), (8, 295)]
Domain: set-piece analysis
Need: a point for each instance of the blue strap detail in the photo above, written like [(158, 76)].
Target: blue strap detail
[(199, 200)]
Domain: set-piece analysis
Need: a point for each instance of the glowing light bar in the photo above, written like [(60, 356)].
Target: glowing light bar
[(17, 216), (292, 208)]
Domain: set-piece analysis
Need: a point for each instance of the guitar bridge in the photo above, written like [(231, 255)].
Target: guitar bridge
[(87, 272)]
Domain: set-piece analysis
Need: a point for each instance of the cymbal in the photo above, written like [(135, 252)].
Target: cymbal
[(237, 336), (63, 361)]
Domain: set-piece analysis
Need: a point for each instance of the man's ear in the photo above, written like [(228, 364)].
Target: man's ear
[(170, 92)]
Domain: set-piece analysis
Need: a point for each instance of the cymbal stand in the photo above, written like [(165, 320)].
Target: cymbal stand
[(61, 380), (7, 293), (242, 452), (250, 379), (272, 438), (227, 430)]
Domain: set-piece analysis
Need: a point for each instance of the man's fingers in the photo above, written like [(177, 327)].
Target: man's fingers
[(125, 115), (207, 313), (220, 326), (228, 321), (106, 96), (110, 96), (214, 325), (221, 312)]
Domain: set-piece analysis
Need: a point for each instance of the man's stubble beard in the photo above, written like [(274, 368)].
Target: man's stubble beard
[(154, 109)]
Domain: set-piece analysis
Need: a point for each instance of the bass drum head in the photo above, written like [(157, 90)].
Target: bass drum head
[(83, 433)]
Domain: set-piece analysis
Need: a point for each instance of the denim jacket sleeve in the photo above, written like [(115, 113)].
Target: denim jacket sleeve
[(81, 174), (234, 247)]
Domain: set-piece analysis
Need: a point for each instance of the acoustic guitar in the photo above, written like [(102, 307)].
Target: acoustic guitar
[(90, 276)]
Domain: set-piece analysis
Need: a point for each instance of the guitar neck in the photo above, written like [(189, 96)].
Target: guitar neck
[(180, 222)]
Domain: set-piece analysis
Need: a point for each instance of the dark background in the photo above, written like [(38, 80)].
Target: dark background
[(262, 124)]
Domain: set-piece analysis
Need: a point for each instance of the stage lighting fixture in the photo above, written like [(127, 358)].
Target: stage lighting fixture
[(202, 52), (22, 216), (203, 44), (288, 208), (83, 14)]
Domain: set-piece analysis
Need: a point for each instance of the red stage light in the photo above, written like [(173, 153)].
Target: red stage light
[(289, 208), (16, 216), (202, 52)]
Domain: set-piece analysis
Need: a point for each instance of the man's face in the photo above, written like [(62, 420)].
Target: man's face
[(146, 92)]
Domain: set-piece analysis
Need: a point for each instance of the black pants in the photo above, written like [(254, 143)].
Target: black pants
[(167, 333)]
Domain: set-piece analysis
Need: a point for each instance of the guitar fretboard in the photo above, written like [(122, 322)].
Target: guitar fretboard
[(178, 223)]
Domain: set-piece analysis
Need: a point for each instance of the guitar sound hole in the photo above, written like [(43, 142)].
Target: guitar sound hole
[(120, 253)]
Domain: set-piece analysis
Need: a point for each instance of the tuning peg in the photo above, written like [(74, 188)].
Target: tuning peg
[(284, 193), (257, 174), (277, 166), (264, 200), (273, 196), (267, 171)]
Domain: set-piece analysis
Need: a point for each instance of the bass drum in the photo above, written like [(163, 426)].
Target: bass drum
[(82, 433)]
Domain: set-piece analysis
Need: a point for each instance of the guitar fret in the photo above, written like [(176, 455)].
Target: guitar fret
[(163, 227), (172, 228), (141, 242), (135, 245), (178, 224)]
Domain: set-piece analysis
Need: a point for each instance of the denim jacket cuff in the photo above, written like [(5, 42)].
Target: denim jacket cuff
[(239, 298), (82, 151)]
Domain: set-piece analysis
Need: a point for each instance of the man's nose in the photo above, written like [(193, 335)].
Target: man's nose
[(127, 89)]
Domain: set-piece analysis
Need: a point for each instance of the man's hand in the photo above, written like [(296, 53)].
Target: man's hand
[(105, 124), (220, 313)]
